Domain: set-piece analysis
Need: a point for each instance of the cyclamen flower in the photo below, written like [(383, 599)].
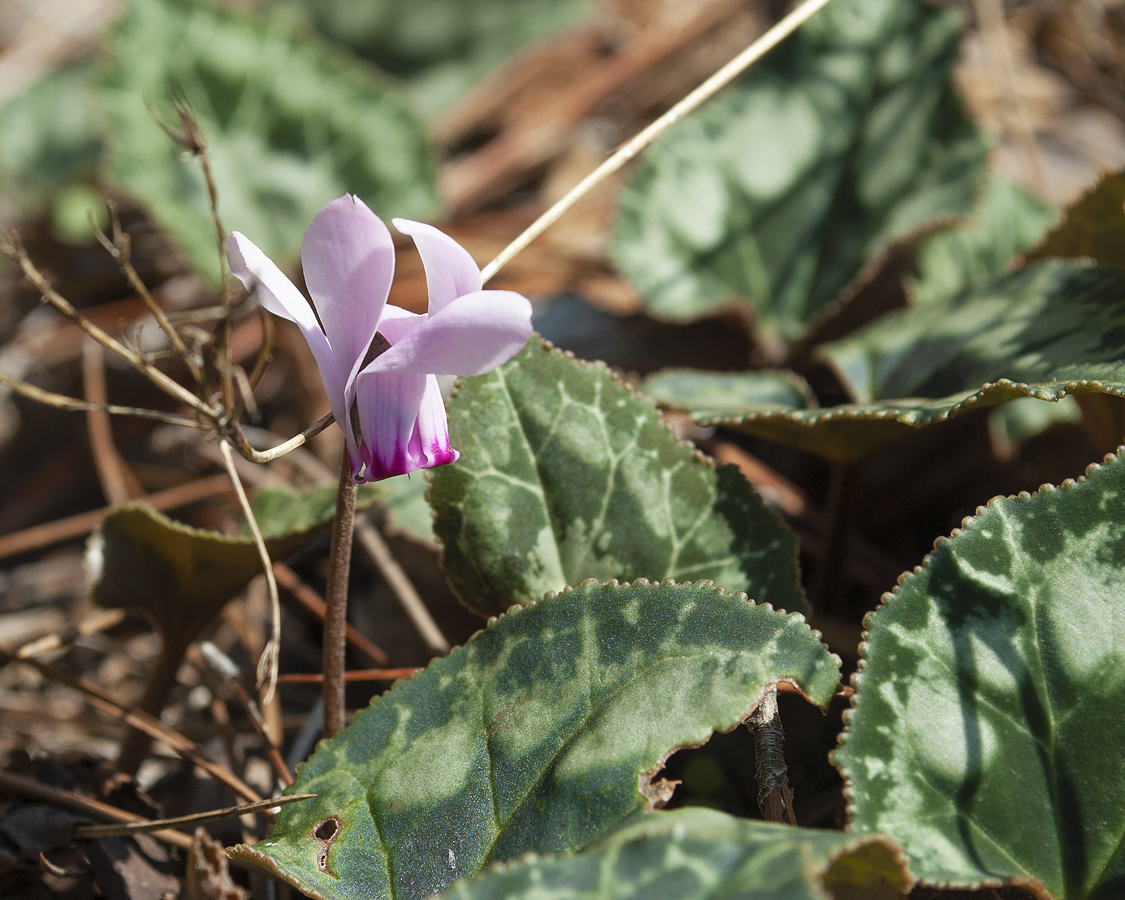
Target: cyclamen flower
[(378, 361)]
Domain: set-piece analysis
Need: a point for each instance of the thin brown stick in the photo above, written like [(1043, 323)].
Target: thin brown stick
[(99, 621), (95, 809), (309, 599), (119, 484), (336, 602), (208, 655), (10, 245), (40, 536), (403, 587), (353, 675), (120, 248), (71, 404), (143, 826), (182, 746)]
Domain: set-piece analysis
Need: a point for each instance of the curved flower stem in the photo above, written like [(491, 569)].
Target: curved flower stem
[(336, 601), (646, 136), (265, 456)]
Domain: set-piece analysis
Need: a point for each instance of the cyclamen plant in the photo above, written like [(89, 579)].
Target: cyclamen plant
[(378, 362)]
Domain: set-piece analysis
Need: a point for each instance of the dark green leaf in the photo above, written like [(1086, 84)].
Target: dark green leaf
[(847, 138), (290, 124), (1092, 228), (541, 733), (138, 558), (566, 474), (700, 854), (408, 513), (1010, 221), (282, 513), (718, 394), (1052, 329), (990, 709), (440, 47)]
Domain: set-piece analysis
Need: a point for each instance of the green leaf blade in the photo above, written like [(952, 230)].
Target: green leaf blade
[(990, 709), (844, 140), (700, 854), (556, 455), (289, 123), (537, 735)]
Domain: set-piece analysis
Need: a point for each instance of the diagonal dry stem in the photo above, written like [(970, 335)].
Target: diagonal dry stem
[(13, 247), (646, 136), (267, 664)]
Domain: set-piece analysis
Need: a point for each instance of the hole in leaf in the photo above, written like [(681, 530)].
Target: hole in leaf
[(326, 831)]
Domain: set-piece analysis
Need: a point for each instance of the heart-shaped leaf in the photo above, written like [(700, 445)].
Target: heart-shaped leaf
[(441, 48), (1052, 329), (566, 474), (989, 714), (290, 124), (181, 576), (542, 733), (701, 854), (847, 138)]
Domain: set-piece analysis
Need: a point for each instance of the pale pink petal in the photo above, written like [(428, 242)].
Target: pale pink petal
[(397, 323), (279, 295), (275, 292), (388, 410), (349, 260), (450, 270), (432, 430), (471, 335)]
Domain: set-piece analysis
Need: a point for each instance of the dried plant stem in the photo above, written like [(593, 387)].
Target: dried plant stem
[(10, 245), (70, 404), (102, 620), (144, 826), (774, 797), (267, 663), (28, 787), (353, 675), (336, 602), (408, 597), (119, 247), (646, 136), (119, 484), (265, 456), (309, 599)]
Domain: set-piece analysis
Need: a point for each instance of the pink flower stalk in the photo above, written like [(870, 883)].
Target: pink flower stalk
[(379, 362)]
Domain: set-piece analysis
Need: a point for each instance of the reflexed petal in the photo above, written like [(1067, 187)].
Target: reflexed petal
[(275, 292), (280, 296), (349, 261), (450, 270), (471, 335), (388, 409), (432, 430)]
